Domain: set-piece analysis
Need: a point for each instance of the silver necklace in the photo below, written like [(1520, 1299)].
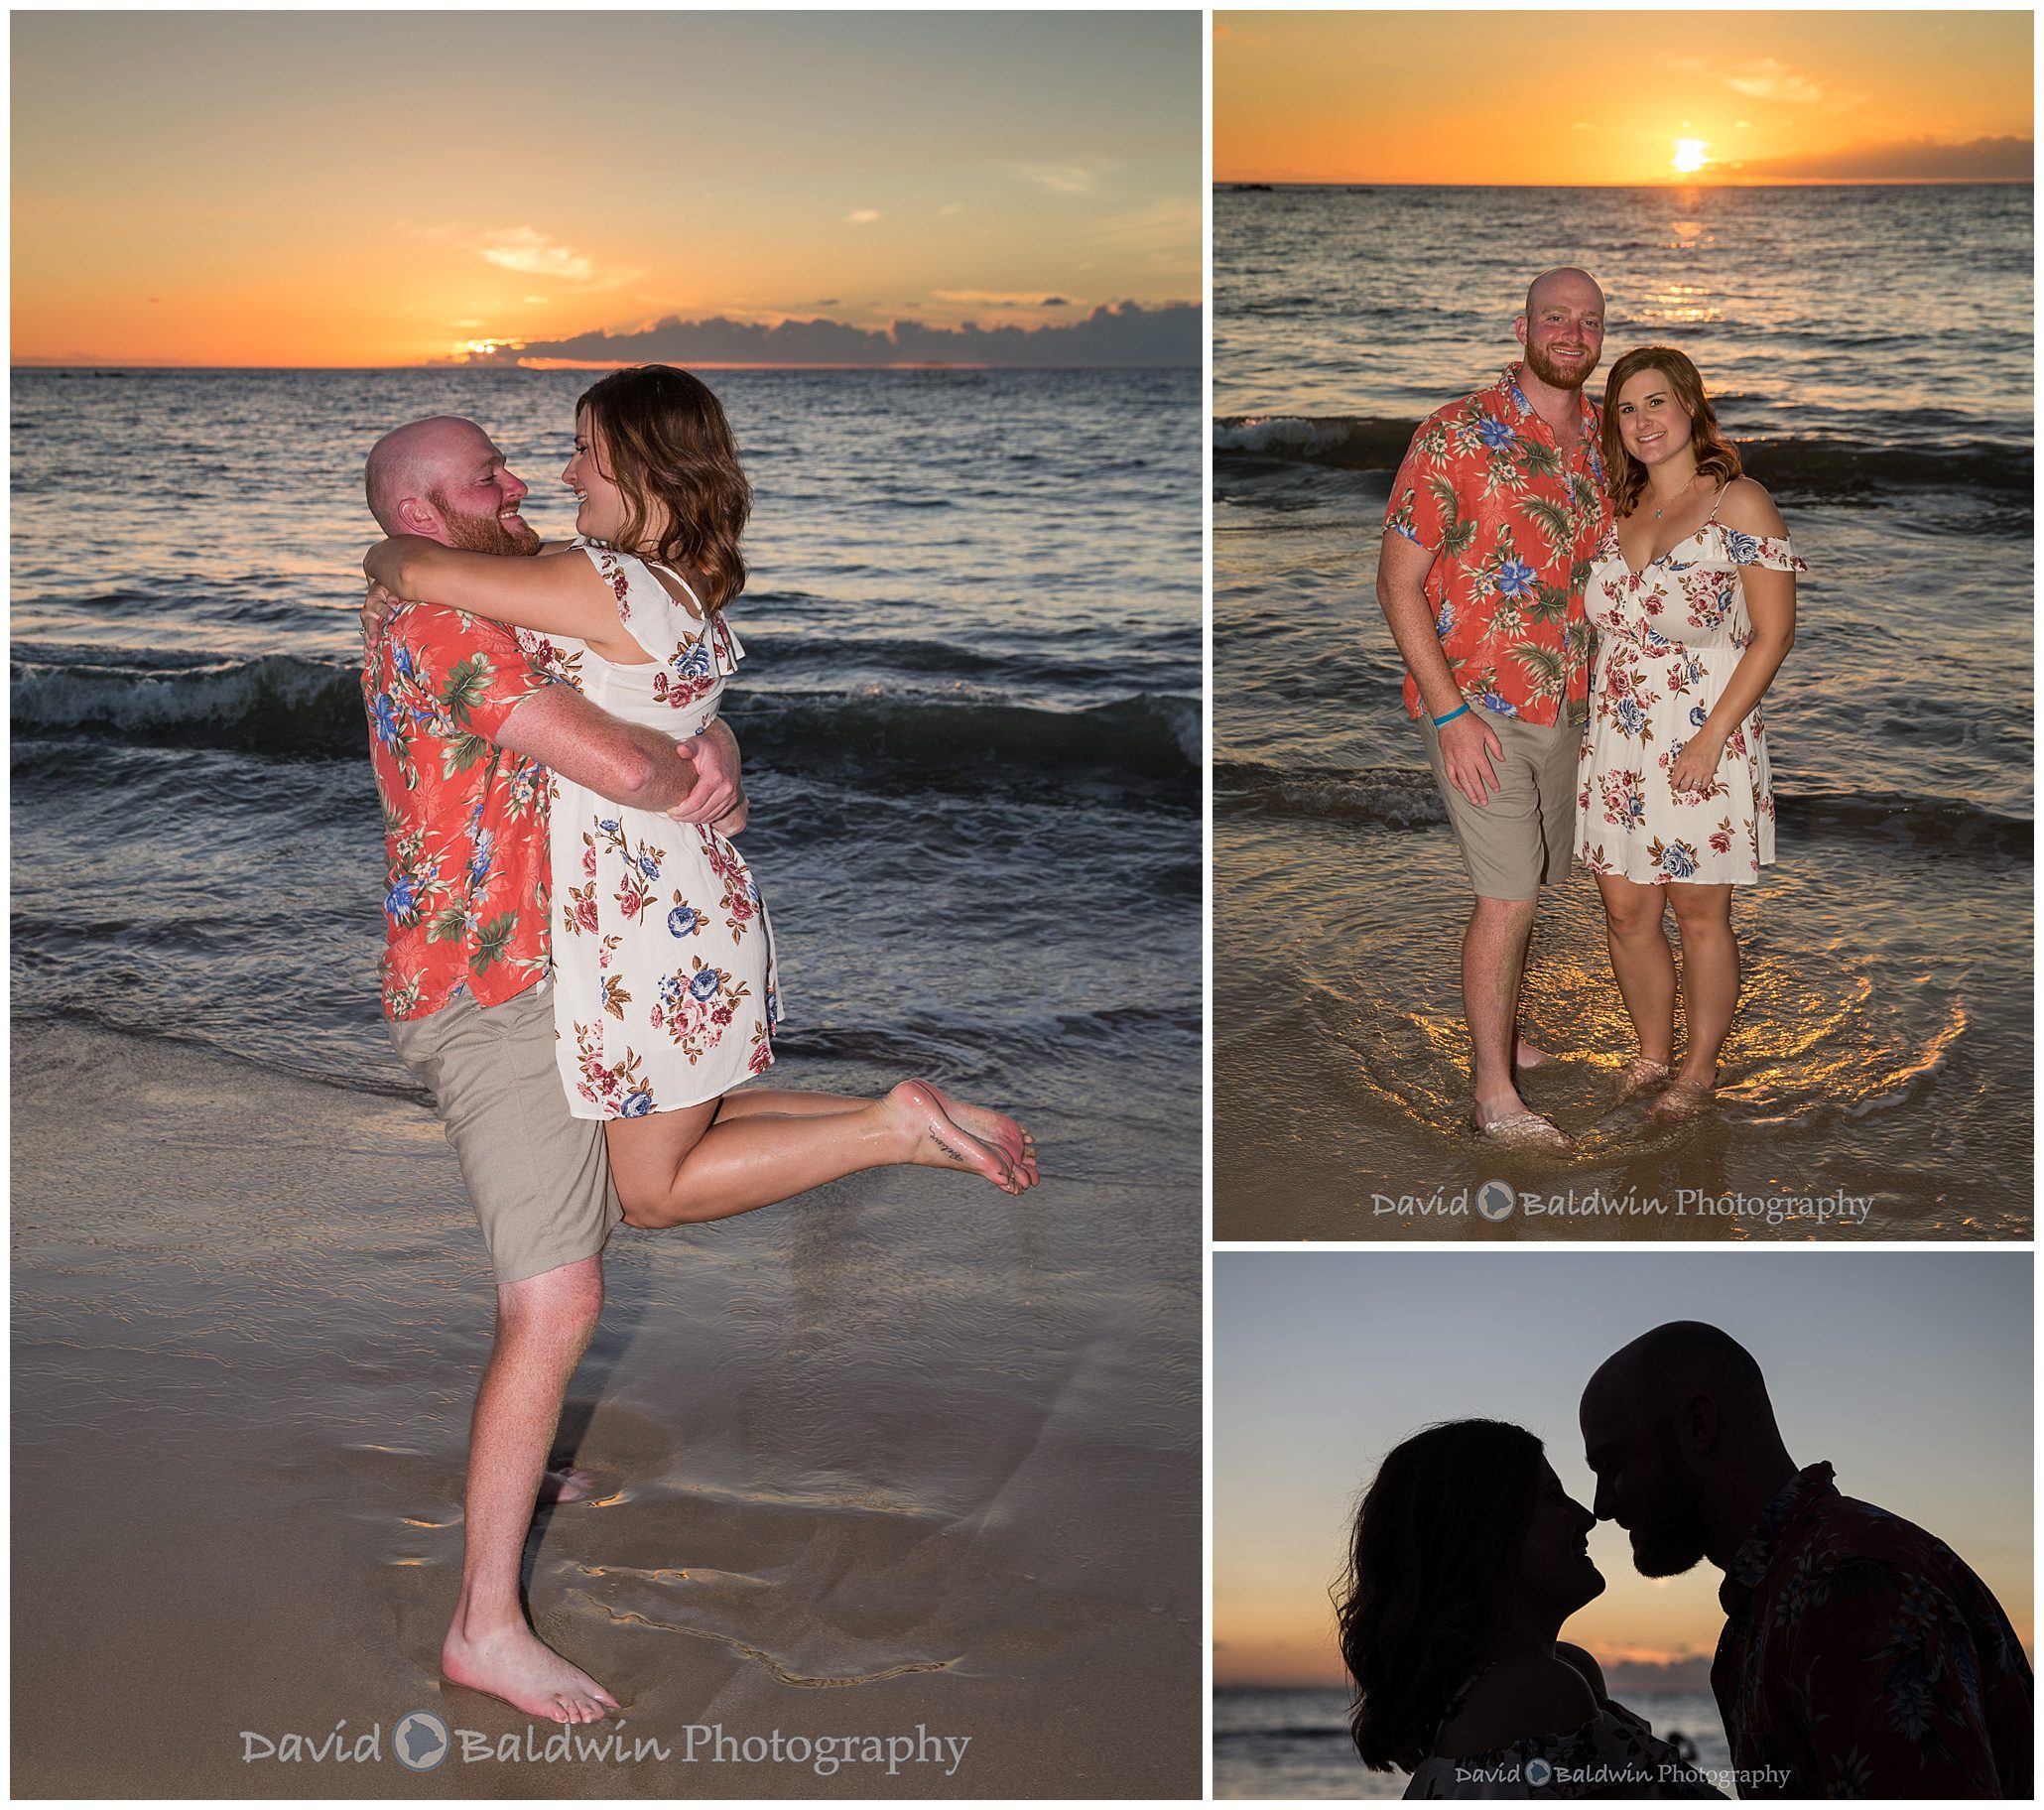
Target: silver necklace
[(1679, 495)]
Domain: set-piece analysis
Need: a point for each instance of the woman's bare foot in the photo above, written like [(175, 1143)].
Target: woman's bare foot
[(565, 1484), (1640, 1074), (1683, 1097), (1530, 1055), (989, 1127), (517, 1665), (938, 1141)]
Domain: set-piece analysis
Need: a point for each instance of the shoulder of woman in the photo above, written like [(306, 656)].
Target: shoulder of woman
[(1518, 1698), (1748, 508), (1593, 1673)]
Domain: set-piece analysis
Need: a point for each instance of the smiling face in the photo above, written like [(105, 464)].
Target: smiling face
[(1652, 421), (1555, 1573), (601, 511), (477, 497), (1563, 329)]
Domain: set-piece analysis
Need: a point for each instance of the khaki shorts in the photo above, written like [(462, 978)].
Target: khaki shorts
[(1526, 834), (537, 1176)]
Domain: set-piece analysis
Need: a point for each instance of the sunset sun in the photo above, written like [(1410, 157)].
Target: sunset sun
[(1689, 155)]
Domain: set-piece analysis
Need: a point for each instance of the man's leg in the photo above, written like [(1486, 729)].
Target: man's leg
[(1493, 961), (544, 1325)]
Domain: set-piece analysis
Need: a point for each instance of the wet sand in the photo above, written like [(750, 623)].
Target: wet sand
[(911, 1455)]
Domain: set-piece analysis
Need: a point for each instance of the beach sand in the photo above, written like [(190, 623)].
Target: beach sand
[(908, 1453)]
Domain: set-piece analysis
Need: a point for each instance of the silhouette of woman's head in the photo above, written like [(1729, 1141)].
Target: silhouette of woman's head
[(1463, 1525)]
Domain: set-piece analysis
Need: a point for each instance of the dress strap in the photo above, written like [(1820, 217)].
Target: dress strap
[(1716, 501)]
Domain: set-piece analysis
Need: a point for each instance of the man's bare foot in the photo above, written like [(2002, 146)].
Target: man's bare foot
[(989, 1127), (565, 1484), (528, 1675), (935, 1139), (1505, 1121)]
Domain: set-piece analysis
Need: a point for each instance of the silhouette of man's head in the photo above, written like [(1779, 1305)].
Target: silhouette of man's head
[(1675, 1426)]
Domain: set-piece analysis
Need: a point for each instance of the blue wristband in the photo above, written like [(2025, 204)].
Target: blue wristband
[(1450, 717)]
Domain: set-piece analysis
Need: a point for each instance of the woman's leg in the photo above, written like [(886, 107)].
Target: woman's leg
[(708, 1162), (988, 1126), (1642, 961), (1709, 976)]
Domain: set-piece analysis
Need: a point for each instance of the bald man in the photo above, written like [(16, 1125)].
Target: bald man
[(1860, 1656), (462, 731), (1494, 519)]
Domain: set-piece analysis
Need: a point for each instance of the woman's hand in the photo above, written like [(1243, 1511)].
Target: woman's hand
[(377, 609), (1695, 769)]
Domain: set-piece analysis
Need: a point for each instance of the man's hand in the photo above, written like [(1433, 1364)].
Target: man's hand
[(718, 798), (1469, 745), (377, 609)]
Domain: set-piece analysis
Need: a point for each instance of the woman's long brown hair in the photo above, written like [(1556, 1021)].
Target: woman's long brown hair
[(1715, 454), (662, 437)]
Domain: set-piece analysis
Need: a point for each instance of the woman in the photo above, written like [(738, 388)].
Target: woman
[(666, 997), (1468, 1557), (1692, 597)]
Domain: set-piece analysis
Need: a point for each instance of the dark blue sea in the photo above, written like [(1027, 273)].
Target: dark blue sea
[(1869, 350)]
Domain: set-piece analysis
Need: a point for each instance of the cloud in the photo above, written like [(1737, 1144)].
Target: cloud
[(1908, 160), (861, 216), (949, 208), (1772, 79), (996, 297), (1059, 179), (525, 249), (1123, 334)]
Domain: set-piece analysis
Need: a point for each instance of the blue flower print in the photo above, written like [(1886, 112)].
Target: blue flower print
[(772, 1008), (682, 920), (1631, 719), (695, 663), (1515, 577), (635, 1105), (1678, 862), (1697, 715), (706, 982), (383, 714), (1493, 432), (485, 851), (401, 658), (1498, 703), (1744, 548), (402, 899), (648, 865), (608, 824), (1443, 624)]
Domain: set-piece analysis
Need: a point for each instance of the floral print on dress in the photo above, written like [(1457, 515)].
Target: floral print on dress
[(1668, 639), (1512, 521), (665, 993), (466, 902)]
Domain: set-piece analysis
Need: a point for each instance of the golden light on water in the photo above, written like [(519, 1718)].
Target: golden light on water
[(1689, 155)]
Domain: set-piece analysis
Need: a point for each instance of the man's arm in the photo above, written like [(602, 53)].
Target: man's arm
[(628, 763), (1468, 744)]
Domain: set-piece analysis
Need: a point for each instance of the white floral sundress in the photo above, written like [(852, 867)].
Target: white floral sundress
[(1668, 640), (664, 986)]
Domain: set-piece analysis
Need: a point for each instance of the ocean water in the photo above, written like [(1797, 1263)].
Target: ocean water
[(933, 1446), (969, 716), (1294, 1743), (1882, 1054)]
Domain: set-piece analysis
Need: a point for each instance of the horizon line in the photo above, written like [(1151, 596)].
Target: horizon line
[(20, 365), (1778, 181)]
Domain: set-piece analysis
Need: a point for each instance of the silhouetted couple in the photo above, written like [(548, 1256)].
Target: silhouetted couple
[(1860, 1656)]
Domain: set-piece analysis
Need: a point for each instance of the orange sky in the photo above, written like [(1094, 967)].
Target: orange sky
[(1597, 98), (350, 188)]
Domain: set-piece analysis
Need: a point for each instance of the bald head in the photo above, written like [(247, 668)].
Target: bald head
[(1659, 1371), (1680, 1433), (444, 478), (1564, 283)]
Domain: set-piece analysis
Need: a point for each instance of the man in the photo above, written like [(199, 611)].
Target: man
[(463, 730), (1860, 1656), (1494, 516)]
